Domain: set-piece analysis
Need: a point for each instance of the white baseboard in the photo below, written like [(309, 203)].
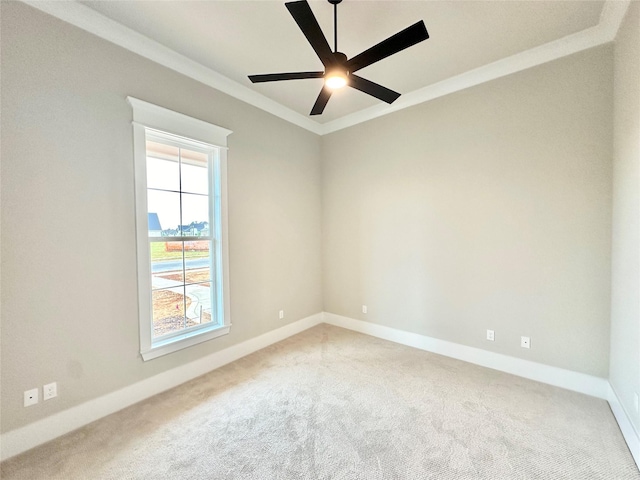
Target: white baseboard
[(629, 432), (579, 382), (22, 439)]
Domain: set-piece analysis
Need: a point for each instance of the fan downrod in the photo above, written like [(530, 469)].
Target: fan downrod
[(335, 23)]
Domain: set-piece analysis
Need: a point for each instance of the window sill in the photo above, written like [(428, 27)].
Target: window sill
[(183, 341)]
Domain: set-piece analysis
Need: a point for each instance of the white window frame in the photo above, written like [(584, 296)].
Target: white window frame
[(152, 118)]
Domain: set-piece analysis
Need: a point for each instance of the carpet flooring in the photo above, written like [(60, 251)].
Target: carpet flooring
[(333, 404)]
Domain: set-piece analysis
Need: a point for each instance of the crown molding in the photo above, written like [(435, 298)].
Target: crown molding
[(611, 18), (93, 22), (83, 17), (515, 63)]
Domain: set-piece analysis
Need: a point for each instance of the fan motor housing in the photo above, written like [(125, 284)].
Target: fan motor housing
[(340, 57)]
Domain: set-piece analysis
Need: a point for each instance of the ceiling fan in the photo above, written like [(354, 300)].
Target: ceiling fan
[(338, 70)]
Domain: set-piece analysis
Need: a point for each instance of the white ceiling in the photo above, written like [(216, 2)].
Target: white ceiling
[(238, 38)]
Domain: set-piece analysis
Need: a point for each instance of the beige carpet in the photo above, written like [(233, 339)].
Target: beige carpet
[(333, 404)]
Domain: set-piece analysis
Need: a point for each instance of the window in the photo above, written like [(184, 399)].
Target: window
[(180, 186)]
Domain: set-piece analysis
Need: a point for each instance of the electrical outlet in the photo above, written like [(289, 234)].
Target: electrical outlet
[(491, 335), (525, 342), (364, 309), (281, 314), (49, 391), (30, 397)]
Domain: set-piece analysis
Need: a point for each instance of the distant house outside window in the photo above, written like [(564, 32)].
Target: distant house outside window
[(154, 225), (180, 178)]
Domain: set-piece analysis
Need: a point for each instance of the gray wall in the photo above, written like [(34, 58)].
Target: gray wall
[(625, 303), (69, 301), (488, 208), (485, 209)]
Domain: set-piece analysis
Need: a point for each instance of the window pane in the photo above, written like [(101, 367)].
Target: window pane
[(199, 310), (197, 261), (163, 174), (166, 206), (168, 310), (166, 264), (195, 214), (195, 174)]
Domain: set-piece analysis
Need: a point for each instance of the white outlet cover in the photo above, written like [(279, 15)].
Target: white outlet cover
[(364, 309), (50, 391), (31, 397), (525, 342), (491, 335), (281, 314)]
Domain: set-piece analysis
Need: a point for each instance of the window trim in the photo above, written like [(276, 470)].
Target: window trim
[(149, 116)]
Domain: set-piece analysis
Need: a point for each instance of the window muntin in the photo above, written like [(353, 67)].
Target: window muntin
[(180, 191)]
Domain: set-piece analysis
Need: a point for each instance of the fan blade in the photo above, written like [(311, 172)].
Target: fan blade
[(409, 36), (275, 77), (373, 89), (321, 101), (302, 14)]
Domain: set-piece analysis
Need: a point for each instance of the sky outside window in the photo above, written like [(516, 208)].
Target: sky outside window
[(165, 177)]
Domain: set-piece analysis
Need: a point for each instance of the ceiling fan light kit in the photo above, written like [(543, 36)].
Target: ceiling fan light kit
[(337, 76), (338, 69), (335, 80)]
